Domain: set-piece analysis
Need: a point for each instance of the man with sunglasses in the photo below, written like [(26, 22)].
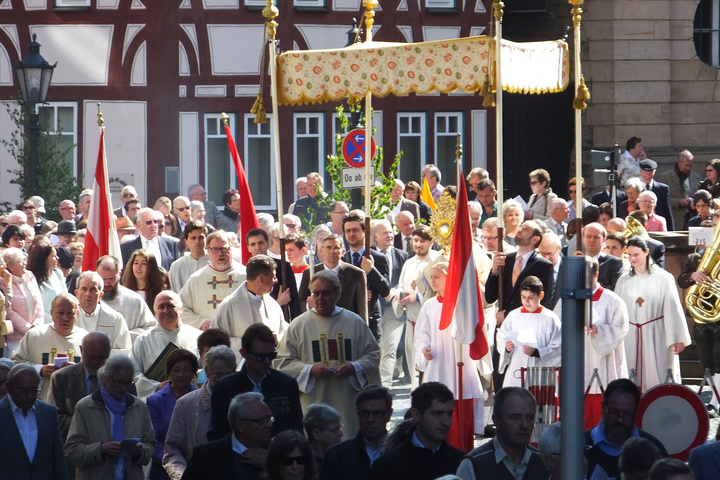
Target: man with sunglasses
[(605, 441), (206, 288), (352, 459), (149, 223), (181, 210), (279, 389)]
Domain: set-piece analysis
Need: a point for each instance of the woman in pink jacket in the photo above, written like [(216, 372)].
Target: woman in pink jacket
[(26, 309)]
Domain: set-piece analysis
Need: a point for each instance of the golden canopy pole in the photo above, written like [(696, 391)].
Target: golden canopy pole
[(579, 104), (271, 12), (498, 6), (369, 21)]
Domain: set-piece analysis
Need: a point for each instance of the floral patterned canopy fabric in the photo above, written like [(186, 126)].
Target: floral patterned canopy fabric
[(314, 76)]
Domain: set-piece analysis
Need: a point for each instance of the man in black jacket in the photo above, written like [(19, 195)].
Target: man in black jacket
[(279, 389), (352, 459), (426, 455)]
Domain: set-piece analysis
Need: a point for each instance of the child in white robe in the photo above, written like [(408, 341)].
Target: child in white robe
[(531, 335)]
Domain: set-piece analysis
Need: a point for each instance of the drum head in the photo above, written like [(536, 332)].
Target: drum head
[(676, 416)]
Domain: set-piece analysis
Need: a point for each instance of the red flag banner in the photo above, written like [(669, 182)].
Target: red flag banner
[(102, 238), (248, 216), (462, 292)]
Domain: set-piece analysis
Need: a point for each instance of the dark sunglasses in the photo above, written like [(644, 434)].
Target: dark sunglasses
[(287, 461), (260, 357)]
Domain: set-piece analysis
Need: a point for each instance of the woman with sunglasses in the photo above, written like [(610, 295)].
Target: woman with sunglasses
[(289, 458), (712, 182), (542, 196)]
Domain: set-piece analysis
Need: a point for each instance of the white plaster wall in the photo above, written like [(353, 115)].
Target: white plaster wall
[(8, 192)]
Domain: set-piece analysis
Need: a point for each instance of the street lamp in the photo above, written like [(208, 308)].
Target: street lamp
[(34, 75)]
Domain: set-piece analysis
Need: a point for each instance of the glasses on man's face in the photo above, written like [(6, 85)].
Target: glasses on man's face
[(216, 250), (150, 222), (182, 209), (533, 182), (261, 357), (290, 225), (614, 414), (376, 414), (259, 421)]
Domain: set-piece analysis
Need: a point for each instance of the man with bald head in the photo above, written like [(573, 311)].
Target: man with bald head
[(46, 345), (550, 248), (405, 224), (594, 236), (71, 384)]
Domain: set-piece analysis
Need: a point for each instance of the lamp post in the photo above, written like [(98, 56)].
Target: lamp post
[(34, 75)]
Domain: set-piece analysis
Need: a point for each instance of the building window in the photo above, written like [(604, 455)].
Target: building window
[(441, 5), (706, 32), (411, 141), (309, 4), (258, 156), (59, 121), (309, 143), (219, 170), (447, 126)]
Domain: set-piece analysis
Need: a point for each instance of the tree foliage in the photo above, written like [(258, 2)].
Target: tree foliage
[(56, 181)]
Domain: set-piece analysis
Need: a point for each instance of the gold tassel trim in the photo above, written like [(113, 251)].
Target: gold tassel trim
[(258, 109), (583, 95)]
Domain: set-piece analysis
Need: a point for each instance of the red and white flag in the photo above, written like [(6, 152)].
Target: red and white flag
[(102, 238), (248, 216), (462, 290)]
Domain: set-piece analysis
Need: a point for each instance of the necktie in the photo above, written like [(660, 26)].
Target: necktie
[(647, 187), (356, 259), (93, 383), (516, 271), (408, 245)]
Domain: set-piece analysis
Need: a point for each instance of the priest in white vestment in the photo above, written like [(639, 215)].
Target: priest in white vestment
[(45, 346), (251, 303), (658, 328), (604, 345), (208, 287), (530, 335), (148, 346), (129, 304), (96, 316), (195, 258), (330, 351), (436, 350)]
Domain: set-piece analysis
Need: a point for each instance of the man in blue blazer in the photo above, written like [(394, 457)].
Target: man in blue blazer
[(148, 223), (705, 461), (32, 457)]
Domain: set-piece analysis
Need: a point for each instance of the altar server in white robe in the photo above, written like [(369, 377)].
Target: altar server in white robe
[(96, 316), (195, 258), (604, 346), (43, 344), (530, 335), (148, 346), (251, 303), (658, 329), (330, 351), (129, 304), (436, 350), (206, 288)]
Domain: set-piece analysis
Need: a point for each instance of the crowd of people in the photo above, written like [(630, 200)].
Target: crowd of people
[(179, 361)]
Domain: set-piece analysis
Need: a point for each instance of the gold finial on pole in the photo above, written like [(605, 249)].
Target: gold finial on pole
[(576, 11), (224, 117), (369, 17), (101, 122), (498, 6), (271, 12)]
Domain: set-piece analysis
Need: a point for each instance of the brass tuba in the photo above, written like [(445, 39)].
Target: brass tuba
[(703, 301), (634, 228)]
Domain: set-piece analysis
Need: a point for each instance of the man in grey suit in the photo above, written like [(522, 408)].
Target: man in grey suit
[(352, 279), (148, 223), (197, 193), (38, 454), (683, 183), (72, 383)]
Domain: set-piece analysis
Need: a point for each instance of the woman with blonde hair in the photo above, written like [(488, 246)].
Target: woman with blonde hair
[(143, 275), (512, 215)]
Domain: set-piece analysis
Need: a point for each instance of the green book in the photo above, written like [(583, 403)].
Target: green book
[(157, 369)]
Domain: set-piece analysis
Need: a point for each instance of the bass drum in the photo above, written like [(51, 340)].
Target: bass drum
[(676, 416)]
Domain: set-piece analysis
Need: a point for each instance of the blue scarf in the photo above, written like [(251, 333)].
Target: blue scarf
[(117, 408)]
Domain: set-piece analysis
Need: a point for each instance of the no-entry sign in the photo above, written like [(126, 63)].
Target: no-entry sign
[(353, 148)]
